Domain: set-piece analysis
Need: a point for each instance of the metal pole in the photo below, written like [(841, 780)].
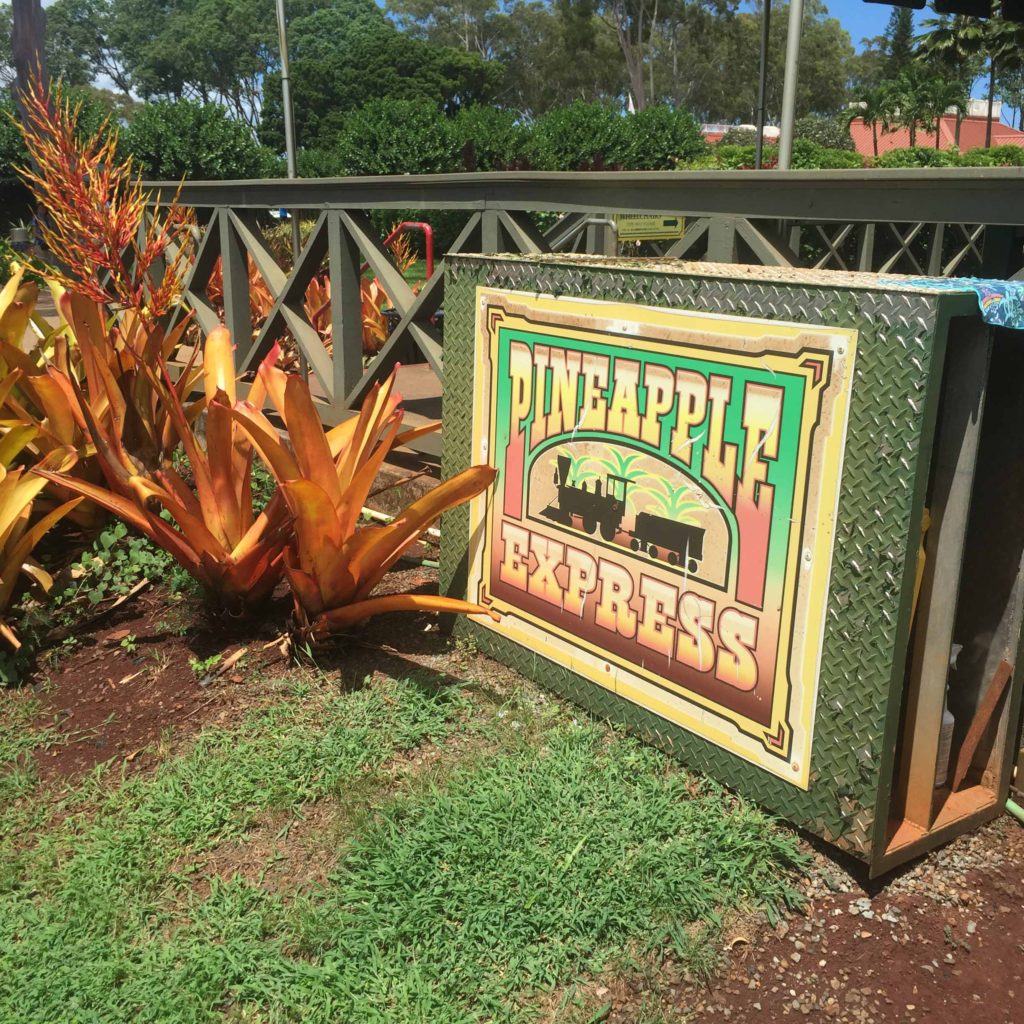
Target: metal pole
[(289, 143), (796, 18), (762, 88)]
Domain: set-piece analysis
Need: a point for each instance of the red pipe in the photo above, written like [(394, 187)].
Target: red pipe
[(428, 238)]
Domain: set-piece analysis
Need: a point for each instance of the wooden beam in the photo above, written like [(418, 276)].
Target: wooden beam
[(956, 451)]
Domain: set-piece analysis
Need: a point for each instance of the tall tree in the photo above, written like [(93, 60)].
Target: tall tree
[(883, 57), (634, 23), (875, 107), (205, 50), (966, 44), (1010, 82), (899, 41), (825, 56), (347, 54), (476, 26), (953, 47)]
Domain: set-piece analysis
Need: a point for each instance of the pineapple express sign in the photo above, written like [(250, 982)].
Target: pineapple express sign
[(663, 519)]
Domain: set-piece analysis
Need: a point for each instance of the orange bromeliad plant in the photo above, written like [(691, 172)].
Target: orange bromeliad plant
[(19, 530), (214, 532), (333, 564), (110, 367)]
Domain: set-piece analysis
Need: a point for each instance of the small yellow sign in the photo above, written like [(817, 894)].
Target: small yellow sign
[(655, 227)]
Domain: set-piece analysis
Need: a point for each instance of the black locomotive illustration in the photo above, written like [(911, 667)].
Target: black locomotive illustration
[(604, 508)]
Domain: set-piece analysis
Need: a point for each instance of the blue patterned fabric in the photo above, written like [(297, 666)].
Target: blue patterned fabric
[(1001, 302)]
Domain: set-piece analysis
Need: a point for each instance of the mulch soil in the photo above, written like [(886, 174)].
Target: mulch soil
[(129, 682), (135, 677)]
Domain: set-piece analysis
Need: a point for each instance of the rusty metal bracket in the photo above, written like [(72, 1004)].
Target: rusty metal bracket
[(980, 722)]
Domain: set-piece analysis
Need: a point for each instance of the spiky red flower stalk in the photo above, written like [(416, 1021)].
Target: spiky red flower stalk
[(105, 243)]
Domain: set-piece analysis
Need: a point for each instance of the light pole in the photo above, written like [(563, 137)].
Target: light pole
[(762, 85), (289, 143), (796, 18)]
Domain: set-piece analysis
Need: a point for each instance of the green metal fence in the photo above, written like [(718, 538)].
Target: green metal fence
[(940, 221)]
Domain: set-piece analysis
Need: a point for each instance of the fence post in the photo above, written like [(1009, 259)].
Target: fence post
[(235, 272), (346, 307)]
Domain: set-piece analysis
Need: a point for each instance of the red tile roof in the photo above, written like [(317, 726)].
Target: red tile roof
[(972, 135)]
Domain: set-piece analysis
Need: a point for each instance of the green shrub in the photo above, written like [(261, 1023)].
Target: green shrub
[(737, 136), (579, 137), (389, 136), (15, 199), (489, 139), (918, 156), (182, 139), (658, 137), (318, 163), (733, 156), (995, 156), (828, 132), (707, 162), (809, 156)]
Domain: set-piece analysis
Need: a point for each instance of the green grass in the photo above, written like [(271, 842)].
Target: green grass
[(17, 741), (533, 850)]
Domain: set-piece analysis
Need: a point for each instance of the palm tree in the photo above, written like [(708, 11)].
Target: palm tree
[(910, 97), (960, 45), (874, 106), (939, 95), (1005, 44), (953, 45)]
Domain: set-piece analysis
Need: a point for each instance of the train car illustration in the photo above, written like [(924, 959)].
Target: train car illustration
[(601, 508), (604, 508), (678, 543)]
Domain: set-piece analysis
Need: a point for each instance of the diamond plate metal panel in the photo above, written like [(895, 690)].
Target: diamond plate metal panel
[(884, 479)]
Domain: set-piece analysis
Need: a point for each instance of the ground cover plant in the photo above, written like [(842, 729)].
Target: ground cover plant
[(400, 851)]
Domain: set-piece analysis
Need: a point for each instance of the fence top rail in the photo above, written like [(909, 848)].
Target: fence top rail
[(974, 195)]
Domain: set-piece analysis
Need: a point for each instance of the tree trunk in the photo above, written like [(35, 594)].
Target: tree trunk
[(633, 55), (28, 29), (650, 49), (991, 98), (874, 135)]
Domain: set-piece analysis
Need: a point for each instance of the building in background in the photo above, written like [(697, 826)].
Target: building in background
[(972, 132)]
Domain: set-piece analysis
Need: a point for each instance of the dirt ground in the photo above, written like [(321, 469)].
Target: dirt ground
[(939, 940), (155, 670), (935, 941)]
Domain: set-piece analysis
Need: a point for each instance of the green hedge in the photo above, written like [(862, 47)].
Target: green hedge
[(183, 139), (806, 156), (827, 132), (389, 136), (995, 156), (918, 156), (579, 137), (658, 138), (393, 136), (489, 139)]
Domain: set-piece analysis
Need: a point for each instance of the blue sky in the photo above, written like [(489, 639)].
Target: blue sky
[(863, 20)]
